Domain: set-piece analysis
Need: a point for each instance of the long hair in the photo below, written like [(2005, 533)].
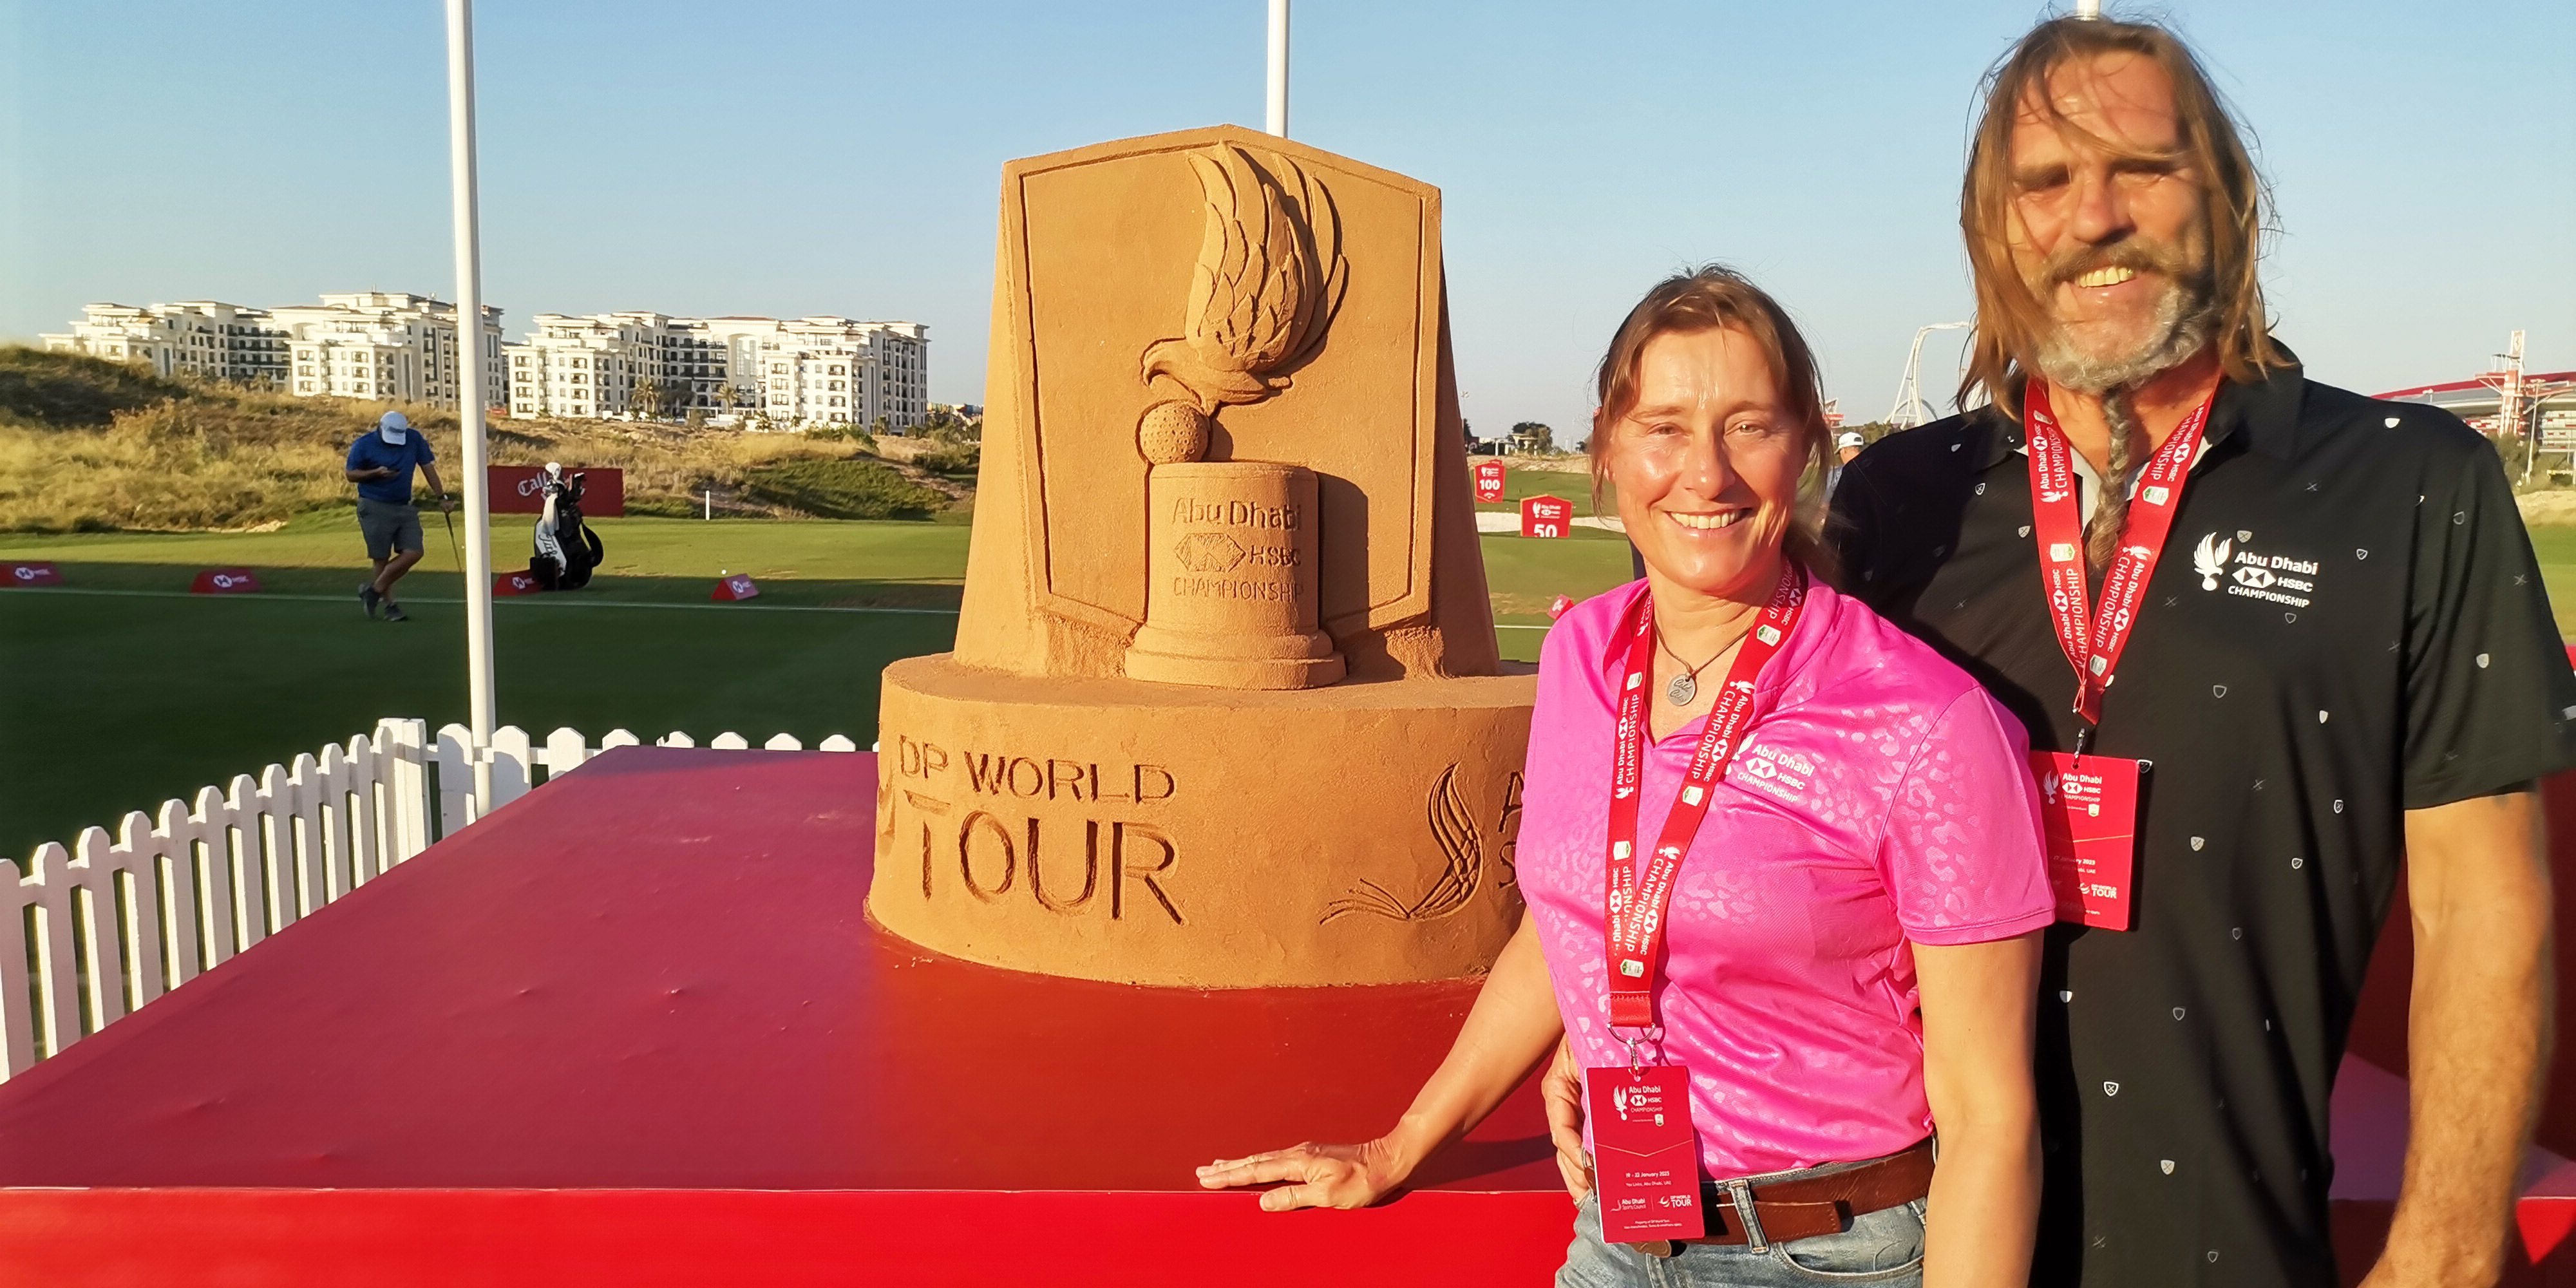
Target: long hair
[(2010, 320), (1707, 299)]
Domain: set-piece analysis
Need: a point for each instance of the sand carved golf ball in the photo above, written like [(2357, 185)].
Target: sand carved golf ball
[(1172, 432)]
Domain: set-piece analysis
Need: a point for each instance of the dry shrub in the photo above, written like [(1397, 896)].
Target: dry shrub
[(212, 456)]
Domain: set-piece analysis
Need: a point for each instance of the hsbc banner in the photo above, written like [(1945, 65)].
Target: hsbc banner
[(521, 489)]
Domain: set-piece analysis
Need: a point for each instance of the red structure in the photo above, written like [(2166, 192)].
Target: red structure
[(225, 581), (516, 583), (520, 489), (1489, 480), (735, 587), (1546, 516), (24, 573), (636, 1029)]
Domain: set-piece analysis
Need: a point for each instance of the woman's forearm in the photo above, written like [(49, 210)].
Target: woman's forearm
[(1512, 1027), (1984, 1205)]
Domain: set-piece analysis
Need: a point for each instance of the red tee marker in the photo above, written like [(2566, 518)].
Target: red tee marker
[(736, 587), (516, 583), (225, 581), (1489, 480), (1546, 516), (30, 574), (1556, 608)]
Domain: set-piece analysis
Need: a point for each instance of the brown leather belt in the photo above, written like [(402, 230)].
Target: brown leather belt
[(1802, 1207)]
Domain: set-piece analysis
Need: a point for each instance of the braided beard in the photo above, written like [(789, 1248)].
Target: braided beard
[(2111, 509)]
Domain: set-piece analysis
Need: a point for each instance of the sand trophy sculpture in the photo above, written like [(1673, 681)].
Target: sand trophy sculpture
[(1226, 708)]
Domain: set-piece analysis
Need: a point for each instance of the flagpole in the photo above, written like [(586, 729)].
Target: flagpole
[(1277, 119), (470, 393)]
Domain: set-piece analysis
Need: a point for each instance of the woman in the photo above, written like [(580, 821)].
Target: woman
[(1821, 843)]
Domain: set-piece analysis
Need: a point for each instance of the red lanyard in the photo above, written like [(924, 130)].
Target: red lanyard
[(1635, 922), (2096, 656)]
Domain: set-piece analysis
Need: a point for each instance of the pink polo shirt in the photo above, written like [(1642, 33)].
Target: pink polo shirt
[(1881, 799)]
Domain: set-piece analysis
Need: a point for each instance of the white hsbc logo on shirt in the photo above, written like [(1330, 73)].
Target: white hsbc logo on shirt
[(2251, 574)]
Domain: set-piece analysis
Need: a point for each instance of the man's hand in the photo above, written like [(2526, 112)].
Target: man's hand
[(1561, 1087), (2478, 1034), (447, 502)]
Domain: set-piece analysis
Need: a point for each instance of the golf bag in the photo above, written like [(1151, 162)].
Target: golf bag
[(567, 550)]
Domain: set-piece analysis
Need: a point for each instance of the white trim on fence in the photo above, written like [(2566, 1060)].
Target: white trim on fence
[(110, 924)]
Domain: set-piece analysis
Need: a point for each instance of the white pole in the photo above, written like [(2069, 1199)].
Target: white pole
[(469, 400), (1278, 116)]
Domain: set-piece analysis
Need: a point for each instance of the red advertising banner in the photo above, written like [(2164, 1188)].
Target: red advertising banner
[(1489, 480), (736, 587), (1546, 516), (516, 583), (30, 574), (225, 581), (520, 489)]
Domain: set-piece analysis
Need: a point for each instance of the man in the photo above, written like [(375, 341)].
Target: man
[(380, 463), (2321, 622), (1846, 446)]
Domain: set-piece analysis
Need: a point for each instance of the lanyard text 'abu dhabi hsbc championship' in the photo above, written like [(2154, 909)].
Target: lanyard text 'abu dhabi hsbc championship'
[(2093, 642), (1636, 900)]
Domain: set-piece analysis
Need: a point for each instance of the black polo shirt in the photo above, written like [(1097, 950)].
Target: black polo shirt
[(2347, 623)]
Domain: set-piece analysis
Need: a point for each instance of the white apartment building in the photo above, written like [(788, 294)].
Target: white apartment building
[(376, 346), (207, 338), (791, 373)]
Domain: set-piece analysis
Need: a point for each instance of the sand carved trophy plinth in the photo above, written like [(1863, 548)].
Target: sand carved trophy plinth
[(1226, 708)]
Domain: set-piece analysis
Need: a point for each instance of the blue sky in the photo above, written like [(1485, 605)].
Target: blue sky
[(788, 158)]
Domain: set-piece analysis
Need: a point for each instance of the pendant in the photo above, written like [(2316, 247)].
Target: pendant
[(1683, 688)]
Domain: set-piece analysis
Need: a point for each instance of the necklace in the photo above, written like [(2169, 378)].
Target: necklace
[(1684, 686)]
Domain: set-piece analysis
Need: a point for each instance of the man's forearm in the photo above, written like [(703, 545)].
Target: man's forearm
[(2478, 1035)]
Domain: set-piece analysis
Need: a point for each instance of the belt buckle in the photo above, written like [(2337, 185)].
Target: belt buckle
[(1740, 1195)]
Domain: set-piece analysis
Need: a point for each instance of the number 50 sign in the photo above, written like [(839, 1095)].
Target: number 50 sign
[(1546, 516)]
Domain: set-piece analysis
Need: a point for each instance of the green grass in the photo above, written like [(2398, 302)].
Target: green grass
[(114, 702), (2556, 547), (844, 490), (1519, 483)]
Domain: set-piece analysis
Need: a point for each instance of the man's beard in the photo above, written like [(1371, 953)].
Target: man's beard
[(2186, 313)]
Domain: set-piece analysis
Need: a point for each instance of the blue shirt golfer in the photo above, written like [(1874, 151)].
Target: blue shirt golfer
[(380, 463)]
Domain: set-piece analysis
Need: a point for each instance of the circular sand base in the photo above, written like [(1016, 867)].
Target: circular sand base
[(1157, 834)]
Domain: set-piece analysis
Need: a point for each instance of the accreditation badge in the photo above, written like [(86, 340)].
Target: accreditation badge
[(1645, 1155), (2088, 809)]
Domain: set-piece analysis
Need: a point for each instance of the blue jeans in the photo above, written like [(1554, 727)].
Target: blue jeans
[(1882, 1247)]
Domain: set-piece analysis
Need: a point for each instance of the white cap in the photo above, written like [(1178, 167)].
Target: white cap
[(394, 426), (1850, 440)]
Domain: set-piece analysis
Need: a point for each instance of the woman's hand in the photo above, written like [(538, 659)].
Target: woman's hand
[(1334, 1176), (1561, 1087)]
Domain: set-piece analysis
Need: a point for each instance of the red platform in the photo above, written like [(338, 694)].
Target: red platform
[(636, 1029)]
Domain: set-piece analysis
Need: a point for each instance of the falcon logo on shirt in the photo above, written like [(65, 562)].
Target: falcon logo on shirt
[(2209, 559), (2281, 579)]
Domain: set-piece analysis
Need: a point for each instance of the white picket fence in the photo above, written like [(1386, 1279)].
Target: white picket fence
[(91, 933)]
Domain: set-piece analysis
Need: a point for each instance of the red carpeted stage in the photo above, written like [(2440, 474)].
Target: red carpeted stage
[(636, 1029)]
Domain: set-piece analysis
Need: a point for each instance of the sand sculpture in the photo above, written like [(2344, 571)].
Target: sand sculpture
[(1226, 708)]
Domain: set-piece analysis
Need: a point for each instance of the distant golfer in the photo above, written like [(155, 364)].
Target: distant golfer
[(380, 463), (1845, 448)]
